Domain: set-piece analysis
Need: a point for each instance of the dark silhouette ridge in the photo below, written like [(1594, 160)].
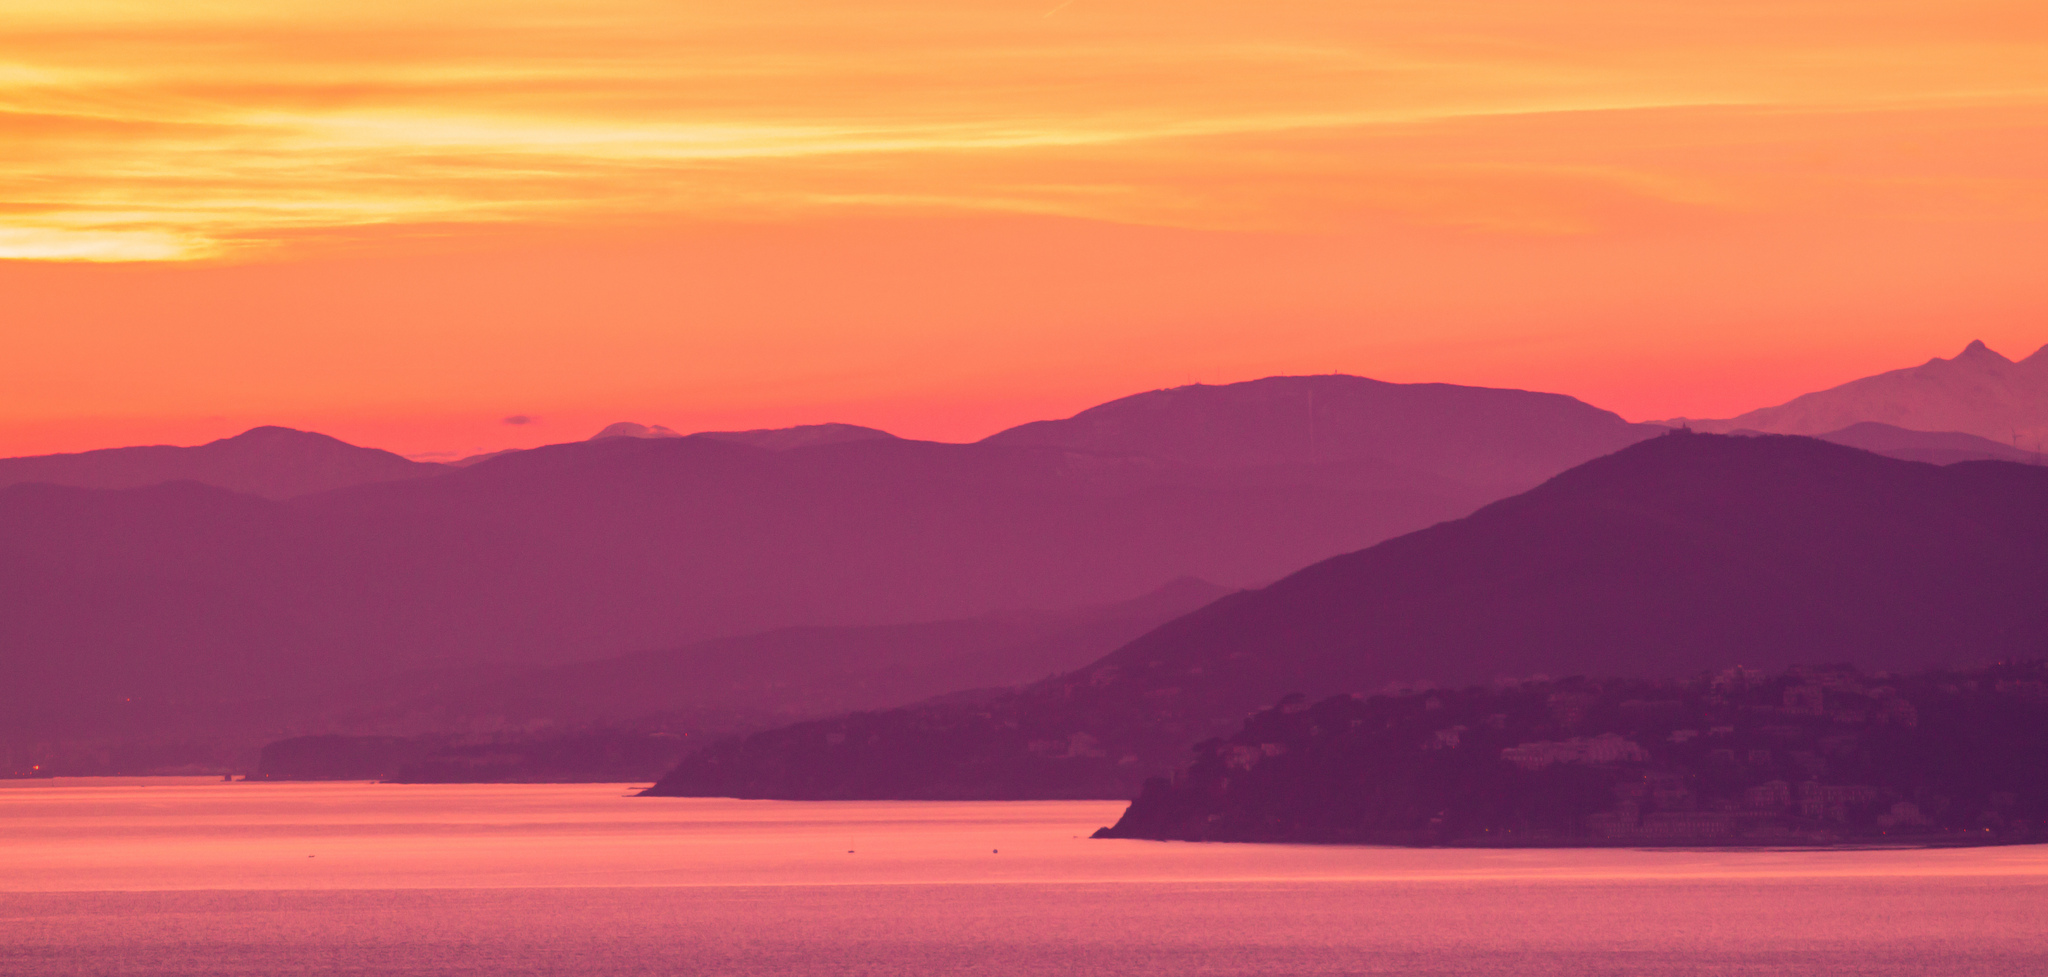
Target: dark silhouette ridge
[(1678, 554), (1499, 439), (1814, 756), (273, 462), (1977, 392), (581, 551), (178, 611)]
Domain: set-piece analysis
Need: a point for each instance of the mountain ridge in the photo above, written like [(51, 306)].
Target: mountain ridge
[(755, 680), (578, 551), (1283, 420), (1688, 551), (1977, 391), (269, 461)]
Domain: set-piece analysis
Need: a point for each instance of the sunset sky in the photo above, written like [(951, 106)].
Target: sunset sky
[(406, 224)]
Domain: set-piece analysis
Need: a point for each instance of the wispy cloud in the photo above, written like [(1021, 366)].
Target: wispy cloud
[(176, 131)]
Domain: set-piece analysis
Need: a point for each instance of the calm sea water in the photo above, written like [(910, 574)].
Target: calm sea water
[(195, 877)]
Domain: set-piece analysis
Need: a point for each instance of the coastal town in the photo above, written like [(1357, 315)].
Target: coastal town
[(1813, 755)]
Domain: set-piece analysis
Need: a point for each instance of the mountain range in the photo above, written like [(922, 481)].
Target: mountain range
[(271, 462), (183, 594), (285, 573), (1682, 553), (650, 704), (1977, 392), (1933, 447), (753, 681), (773, 438), (585, 550)]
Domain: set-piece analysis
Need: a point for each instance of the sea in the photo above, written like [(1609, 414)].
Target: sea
[(193, 876)]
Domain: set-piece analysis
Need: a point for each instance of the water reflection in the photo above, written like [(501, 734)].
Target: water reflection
[(193, 877)]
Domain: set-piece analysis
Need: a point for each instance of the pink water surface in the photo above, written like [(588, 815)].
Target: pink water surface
[(203, 877)]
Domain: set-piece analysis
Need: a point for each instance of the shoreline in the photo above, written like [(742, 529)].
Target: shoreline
[(1691, 844)]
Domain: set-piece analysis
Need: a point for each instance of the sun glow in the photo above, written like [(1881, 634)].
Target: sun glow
[(195, 130), (400, 222)]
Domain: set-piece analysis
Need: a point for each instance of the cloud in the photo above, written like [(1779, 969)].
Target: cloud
[(164, 132), (518, 420)]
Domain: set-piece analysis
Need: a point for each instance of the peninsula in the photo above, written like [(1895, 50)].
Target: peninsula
[(1810, 756)]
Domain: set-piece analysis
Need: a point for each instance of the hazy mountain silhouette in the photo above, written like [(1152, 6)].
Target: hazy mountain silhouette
[(1978, 392), (756, 680), (801, 436), (177, 597), (628, 429), (1933, 447), (772, 438), (590, 549), (1682, 553), (468, 460), (702, 690), (1499, 441), (621, 429), (273, 462)]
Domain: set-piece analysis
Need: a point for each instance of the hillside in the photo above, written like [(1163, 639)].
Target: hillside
[(581, 551), (273, 462), (631, 718), (1976, 392), (1933, 447), (800, 436), (1813, 756), (1682, 553), (754, 681), (1500, 441)]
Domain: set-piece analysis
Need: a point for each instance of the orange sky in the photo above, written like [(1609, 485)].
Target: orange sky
[(401, 223)]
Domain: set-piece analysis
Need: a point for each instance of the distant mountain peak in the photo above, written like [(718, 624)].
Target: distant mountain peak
[(800, 436), (1977, 392), (1977, 351), (270, 461), (272, 434), (1325, 419), (628, 429), (771, 438)]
